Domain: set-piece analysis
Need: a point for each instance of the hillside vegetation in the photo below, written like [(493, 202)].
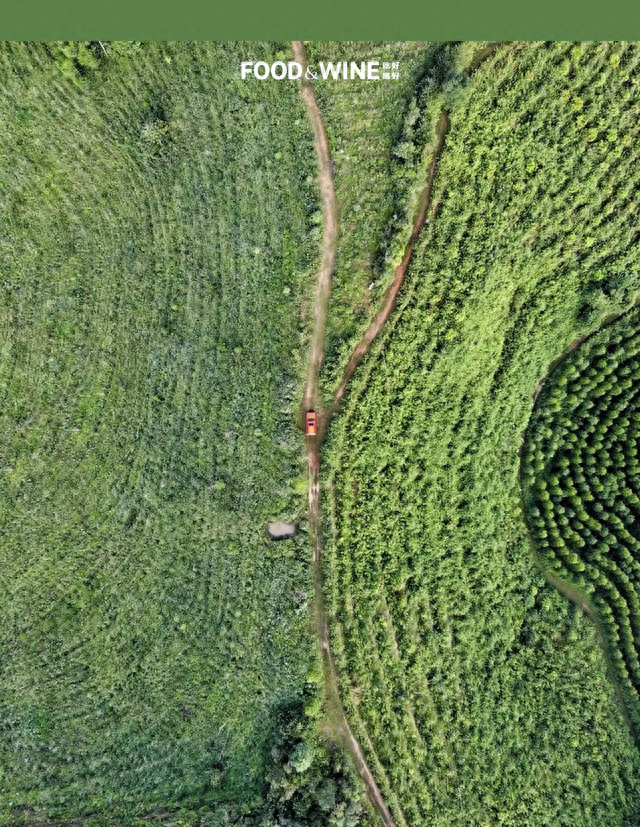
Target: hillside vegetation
[(479, 692), (156, 236), (368, 124), (159, 244)]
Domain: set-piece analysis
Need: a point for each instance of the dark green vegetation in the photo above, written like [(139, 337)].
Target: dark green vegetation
[(310, 784), (581, 480), (155, 241), (79, 59), (479, 692)]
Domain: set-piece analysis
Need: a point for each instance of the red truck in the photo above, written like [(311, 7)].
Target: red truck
[(311, 424)]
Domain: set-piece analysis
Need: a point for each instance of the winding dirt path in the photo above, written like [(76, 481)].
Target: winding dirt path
[(330, 238), (391, 293), (311, 400), (483, 55)]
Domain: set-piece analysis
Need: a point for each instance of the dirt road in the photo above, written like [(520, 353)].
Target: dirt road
[(312, 397), (330, 238)]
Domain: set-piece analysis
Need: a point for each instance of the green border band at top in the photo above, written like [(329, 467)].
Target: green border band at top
[(319, 19)]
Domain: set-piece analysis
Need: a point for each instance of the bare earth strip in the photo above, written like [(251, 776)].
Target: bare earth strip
[(323, 289), (312, 399)]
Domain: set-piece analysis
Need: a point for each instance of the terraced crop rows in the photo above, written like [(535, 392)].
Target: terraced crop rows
[(154, 239), (481, 691), (581, 480)]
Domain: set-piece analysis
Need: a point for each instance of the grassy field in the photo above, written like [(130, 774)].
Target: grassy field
[(479, 692), (157, 235)]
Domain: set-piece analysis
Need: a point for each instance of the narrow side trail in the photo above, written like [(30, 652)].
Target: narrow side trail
[(312, 397), (391, 293)]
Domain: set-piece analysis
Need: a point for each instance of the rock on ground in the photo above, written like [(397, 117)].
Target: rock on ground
[(280, 531)]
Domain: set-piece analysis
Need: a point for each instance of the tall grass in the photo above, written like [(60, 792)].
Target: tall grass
[(155, 243)]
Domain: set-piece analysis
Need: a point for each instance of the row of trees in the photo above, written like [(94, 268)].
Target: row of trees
[(581, 484)]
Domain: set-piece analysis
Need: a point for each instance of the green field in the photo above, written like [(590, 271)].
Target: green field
[(160, 232), (156, 239), (365, 123), (381, 138), (479, 692)]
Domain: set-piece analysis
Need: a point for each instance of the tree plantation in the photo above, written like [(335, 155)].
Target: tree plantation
[(581, 479)]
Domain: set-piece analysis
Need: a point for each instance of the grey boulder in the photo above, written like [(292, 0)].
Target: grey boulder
[(281, 531)]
